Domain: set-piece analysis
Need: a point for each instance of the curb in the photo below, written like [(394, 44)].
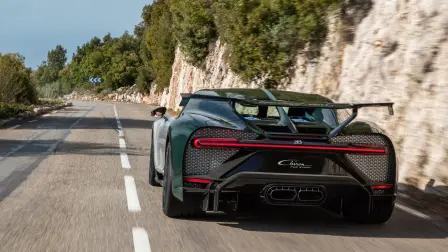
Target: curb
[(36, 112)]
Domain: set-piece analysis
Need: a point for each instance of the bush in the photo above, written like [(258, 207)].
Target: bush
[(50, 102), (8, 110), (53, 90), (264, 36), (193, 27), (144, 79), (15, 81)]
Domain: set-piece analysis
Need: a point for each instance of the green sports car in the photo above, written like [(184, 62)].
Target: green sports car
[(240, 149)]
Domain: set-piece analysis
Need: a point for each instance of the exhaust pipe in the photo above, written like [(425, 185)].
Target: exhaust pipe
[(278, 194), (293, 195), (310, 194)]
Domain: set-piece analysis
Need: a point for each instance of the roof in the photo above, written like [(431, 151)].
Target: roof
[(260, 94)]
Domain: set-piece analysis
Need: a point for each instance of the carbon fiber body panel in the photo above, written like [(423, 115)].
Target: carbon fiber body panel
[(376, 168), (202, 161)]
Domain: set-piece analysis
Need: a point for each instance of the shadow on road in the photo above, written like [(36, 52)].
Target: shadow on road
[(60, 122), (38, 147), (320, 222)]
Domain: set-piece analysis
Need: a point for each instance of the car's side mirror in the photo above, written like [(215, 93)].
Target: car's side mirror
[(158, 112)]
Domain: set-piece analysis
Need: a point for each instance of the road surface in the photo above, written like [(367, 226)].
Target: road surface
[(68, 183)]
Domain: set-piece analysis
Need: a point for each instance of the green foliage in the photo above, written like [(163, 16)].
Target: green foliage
[(48, 71), (49, 102), (265, 35), (15, 81), (193, 28), (115, 60), (160, 42), (145, 78), (50, 90), (8, 110)]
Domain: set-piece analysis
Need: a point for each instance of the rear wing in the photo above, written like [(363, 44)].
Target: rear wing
[(293, 104)]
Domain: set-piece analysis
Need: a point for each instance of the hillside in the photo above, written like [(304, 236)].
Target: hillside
[(351, 50)]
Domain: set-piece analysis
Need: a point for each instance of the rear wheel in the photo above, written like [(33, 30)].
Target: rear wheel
[(380, 213), (173, 207), (152, 168)]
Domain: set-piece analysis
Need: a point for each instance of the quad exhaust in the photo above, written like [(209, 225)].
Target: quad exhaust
[(293, 195)]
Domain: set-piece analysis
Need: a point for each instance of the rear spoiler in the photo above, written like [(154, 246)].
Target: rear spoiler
[(279, 103)]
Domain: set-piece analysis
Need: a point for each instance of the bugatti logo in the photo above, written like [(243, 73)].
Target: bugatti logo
[(297, 142), (294, 164)]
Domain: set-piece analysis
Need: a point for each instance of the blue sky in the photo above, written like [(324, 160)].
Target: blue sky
[(33, 27)]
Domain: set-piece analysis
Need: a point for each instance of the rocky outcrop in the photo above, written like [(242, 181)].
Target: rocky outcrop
[(395, 50)]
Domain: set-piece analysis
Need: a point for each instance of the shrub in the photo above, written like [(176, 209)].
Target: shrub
[(8, 110), (193, 27), (15, 81), (264, 36), (52, 90)]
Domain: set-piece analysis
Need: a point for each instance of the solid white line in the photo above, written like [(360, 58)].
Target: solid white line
[(131, 194), (46, 115), (412, 211), (122, 143), (15, 127), (125, 161), (32, 121), (141, 241)]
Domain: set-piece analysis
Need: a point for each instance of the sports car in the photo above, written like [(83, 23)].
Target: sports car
[(232, 150)]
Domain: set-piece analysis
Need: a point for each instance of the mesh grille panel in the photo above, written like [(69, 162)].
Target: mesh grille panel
[(202, 161), (377, 168)]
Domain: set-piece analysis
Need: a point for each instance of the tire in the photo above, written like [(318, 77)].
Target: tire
[(380, 213), (152, 168), (172, 207)]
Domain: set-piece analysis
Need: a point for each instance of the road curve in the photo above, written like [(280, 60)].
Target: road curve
[(77, 180)]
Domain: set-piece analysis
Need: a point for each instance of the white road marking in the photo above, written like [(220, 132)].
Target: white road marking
[(32, 121), (15, 127), (46, 115), (412, 211), (115, 111), (122, 143), (141, 241), (120, 133), (125, 161), (54, 112), (131, 194)]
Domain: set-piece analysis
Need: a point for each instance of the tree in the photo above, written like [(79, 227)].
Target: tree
[(15, 81), (57, 58)]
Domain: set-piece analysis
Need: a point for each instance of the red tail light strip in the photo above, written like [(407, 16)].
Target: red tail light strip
[(233, 143), (377, 187), (198, 180)]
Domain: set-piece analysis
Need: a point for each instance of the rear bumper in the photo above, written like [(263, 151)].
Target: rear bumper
[(256, 183)]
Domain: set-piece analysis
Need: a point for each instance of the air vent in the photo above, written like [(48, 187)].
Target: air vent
[(311, 130), (275, 128)]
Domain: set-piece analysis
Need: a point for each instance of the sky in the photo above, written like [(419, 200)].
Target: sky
[(33, 27)]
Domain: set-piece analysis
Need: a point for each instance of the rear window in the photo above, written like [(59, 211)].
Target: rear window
[(297, 115)]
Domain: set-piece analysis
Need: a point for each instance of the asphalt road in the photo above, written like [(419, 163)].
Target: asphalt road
[(63, 188)]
